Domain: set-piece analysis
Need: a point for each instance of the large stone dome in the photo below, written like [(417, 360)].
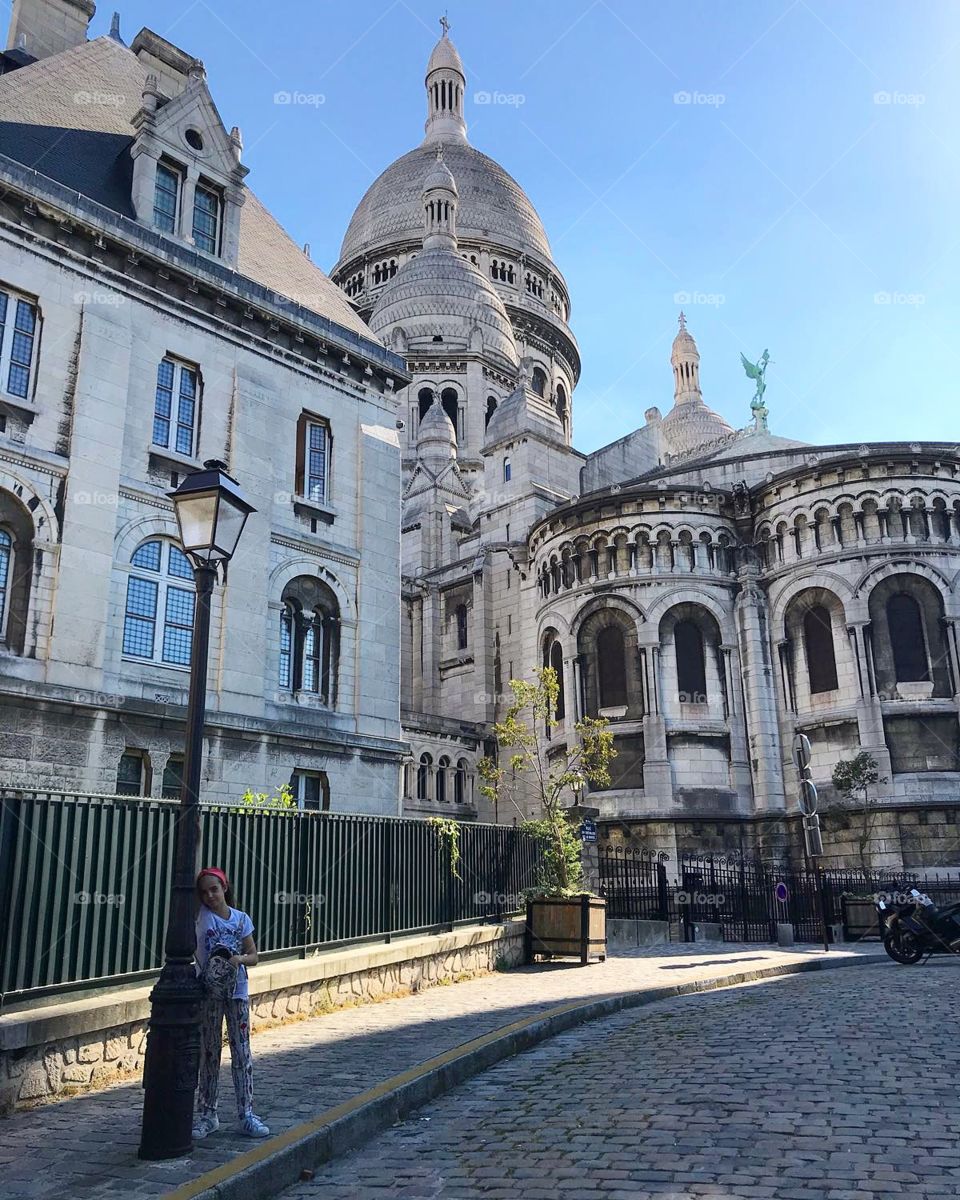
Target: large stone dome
[(493, 207), (438, 294)]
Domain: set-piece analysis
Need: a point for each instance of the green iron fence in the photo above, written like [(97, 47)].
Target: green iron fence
[(84, 881)]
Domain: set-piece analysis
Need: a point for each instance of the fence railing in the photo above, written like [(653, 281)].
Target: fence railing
[(84, 881), (634, 885)]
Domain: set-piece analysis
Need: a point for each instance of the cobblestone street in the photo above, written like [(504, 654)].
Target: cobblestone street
[(85, 1147), (836, 1086)]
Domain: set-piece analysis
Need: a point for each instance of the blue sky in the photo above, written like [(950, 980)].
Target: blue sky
[(804, 198)]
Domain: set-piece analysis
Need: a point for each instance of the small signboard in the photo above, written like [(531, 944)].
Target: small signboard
[(782, 892), (588, 831)]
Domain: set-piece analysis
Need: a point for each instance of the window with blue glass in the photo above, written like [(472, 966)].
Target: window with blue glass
[(18, 336), (158, 620), (6, 564), (175, 407), (166, 198), (207, 207)]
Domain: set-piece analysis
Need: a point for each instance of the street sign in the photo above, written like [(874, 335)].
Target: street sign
[(808, 797), (782, 892), (588, 831), (811, 835), (808, 791)]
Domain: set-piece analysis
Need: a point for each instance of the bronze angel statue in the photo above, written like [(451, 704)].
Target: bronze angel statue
[(757, 371)]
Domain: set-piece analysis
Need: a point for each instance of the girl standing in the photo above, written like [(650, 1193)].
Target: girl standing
[(225, 948)]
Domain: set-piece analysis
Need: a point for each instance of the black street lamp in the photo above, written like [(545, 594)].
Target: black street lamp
[(211, 513)]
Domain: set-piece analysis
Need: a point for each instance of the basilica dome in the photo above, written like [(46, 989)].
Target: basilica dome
[(493, 206)]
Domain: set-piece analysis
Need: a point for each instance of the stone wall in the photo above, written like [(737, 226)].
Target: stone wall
[(83, 1044)]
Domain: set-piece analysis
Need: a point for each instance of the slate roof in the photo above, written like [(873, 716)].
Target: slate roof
[(70, 117)]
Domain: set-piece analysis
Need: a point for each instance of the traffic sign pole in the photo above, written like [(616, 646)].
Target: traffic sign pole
[(812, 838)]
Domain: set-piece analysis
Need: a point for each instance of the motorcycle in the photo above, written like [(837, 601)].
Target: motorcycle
[(914, 927)]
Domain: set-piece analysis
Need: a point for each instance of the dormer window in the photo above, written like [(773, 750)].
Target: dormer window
[(166, 200), (207, 209)]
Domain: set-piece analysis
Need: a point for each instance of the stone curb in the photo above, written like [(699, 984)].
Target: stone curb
[(278, 1162)]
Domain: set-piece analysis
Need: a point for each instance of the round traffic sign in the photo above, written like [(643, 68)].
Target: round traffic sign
[(782, 892), (808, 797)]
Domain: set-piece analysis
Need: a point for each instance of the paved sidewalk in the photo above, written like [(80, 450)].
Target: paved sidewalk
[(833, 1086), (85, 1147)]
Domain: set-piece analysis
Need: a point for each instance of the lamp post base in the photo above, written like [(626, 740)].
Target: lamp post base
[(171, 1063)]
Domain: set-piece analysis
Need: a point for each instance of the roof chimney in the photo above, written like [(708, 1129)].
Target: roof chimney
[(47, 27)]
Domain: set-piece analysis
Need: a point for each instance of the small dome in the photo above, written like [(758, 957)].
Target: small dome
[(439, 294), (436, 426), (691, 425), (440, 176), (445, 57)]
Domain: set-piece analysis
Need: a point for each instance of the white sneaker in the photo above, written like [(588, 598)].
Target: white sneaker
[(205, 1123), (252, 1126)]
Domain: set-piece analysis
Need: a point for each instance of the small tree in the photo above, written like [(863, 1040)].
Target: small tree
[(554, 778), (282, 797), (853, 777)]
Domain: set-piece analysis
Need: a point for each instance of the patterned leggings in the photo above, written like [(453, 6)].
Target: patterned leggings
[(237, 1013)]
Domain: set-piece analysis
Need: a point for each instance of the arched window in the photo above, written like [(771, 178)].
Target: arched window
[(691, 663), (158, 620), (556, 661), (443, 767), (506, 470), (539, 382), (424, 773), (460, 782), (424, 400), (611, 667), (905, 624), (451, 406), (6, 573), (309, 650), (818, 645), (562, 408), (491, 409), (461, 627)]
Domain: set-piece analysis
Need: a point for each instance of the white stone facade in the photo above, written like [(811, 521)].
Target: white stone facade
[(86, 678)]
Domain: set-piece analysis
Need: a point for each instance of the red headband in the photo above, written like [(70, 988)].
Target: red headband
[(217, 873)]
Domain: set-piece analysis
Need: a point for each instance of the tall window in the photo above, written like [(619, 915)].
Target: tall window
[(691, 663), (506, 470), (611, 667), (460, 782), (6, 570), (461, 627), (18, 334), (309, 649), (424, 773), (207, 207), (818, 644), (172, 783), (175, 407), (158, 622), (491, 409), (443, 768), (313, 458), (556, 661), (132, 774), (905, 622), (539, 381), (166, 198)]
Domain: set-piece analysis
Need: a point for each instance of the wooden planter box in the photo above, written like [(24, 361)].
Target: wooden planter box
[(567, 928)]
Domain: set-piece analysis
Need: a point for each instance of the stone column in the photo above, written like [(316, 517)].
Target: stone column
[(657, 779), (869, 711), (762, 724), (430, 634)]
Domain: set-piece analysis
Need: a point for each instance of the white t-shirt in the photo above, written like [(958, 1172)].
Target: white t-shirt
[(213, 931)]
